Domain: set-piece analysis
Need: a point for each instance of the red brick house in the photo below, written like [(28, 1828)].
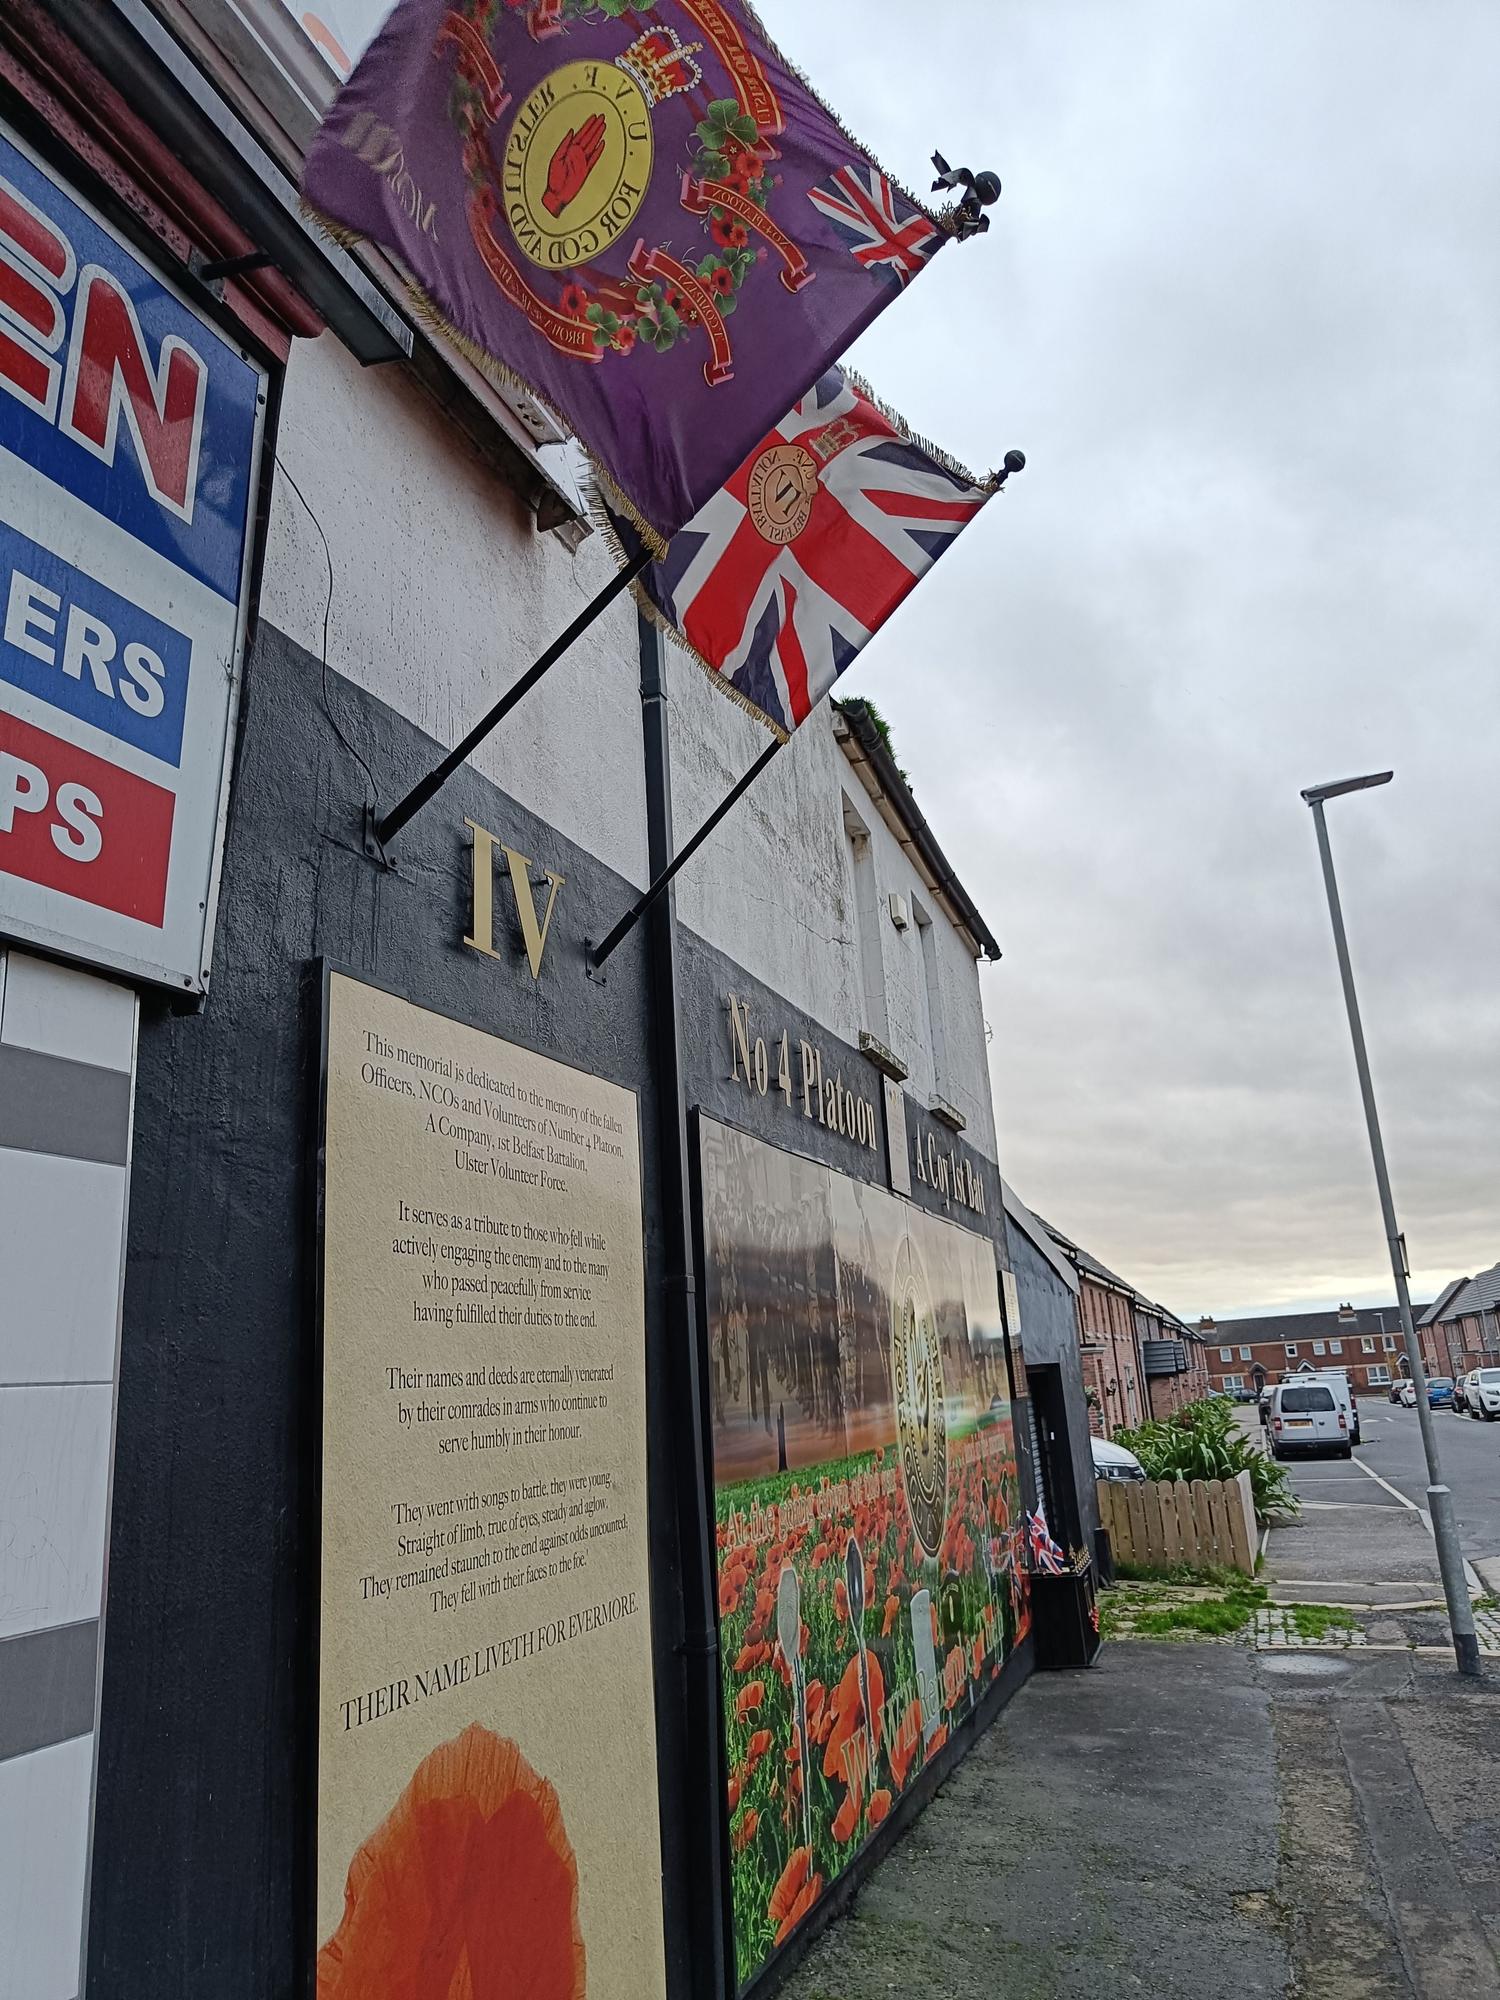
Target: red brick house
[(1247, 1353), (1113, 1375), (1461, 1329)]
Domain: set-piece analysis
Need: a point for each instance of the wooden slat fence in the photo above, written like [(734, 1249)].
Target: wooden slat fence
[(1171, 1523)]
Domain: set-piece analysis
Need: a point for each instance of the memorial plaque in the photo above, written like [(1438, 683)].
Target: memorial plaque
[(487, 1789)]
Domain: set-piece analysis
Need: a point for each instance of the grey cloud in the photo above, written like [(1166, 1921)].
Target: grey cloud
[(1241, 307)]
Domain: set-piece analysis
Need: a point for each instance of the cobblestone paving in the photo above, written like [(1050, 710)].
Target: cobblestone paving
[(1276, 1631)]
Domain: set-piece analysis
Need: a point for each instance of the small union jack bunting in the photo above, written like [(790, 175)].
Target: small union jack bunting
[(1047, 1555)]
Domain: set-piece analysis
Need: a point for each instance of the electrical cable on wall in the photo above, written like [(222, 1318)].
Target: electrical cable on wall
[(333, 721)]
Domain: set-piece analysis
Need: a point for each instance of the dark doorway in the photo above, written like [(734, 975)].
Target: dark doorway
[(1054, 1454)]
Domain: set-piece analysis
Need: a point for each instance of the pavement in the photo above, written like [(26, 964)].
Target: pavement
[(1199, 1822), (1363, 1537), (1114, 1833)]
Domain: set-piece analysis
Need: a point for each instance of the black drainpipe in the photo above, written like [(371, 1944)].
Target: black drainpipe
[(701, 1788)]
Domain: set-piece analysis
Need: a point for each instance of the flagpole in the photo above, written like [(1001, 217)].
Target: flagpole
[(386, 829), (638, 909)]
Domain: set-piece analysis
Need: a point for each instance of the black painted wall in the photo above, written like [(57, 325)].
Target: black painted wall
[(206, 1808)]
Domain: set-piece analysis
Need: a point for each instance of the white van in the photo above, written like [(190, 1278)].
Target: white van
[(1337, 1380), (1308, 1415)]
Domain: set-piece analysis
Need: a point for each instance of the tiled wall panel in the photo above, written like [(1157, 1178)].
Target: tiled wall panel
[(67, 1051)]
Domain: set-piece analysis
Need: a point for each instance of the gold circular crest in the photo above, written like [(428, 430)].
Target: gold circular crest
[(782, 486), (577, 164), (917, 1384)]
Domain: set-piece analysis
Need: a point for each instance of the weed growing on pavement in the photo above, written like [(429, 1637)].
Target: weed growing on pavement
[(1176, 1605), (1487, 1603), (1213, 1616), (1316, 1621)]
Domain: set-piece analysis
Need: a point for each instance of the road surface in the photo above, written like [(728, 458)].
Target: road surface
[(1392, 1446)]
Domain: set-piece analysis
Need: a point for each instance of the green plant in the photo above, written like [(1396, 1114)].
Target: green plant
[(1213, 1616), (1316, 1621), (883, 730), (1203, 1441)]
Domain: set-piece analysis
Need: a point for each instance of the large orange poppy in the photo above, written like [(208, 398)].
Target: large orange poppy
[(467, 1890), (846, 1706), (795, 1893)]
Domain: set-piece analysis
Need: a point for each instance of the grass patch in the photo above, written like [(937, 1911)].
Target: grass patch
[(1316, 1621), (1487, 1603), (1213, 1616), (1181, 1604)]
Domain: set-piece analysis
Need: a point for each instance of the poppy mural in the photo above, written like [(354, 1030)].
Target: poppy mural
[(869, 1516)]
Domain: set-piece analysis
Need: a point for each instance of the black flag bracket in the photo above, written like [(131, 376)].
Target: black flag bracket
[(980, 191), (380, 832), (599, 953)]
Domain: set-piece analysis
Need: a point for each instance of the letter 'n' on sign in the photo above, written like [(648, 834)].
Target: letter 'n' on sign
[(481, 935)]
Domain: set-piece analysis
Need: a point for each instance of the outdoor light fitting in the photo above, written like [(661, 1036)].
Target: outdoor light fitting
[(1315, 794)]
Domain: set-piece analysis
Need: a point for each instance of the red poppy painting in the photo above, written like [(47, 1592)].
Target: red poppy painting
[(467, 1890), (865, 1476)]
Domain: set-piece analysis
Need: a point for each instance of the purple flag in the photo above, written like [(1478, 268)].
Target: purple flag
[(641, 215)]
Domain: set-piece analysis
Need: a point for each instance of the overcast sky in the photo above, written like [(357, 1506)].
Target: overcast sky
[(1240, 306)]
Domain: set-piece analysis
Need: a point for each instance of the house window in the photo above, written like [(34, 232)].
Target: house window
[(1244, 1354), (1367, 1346), (1291, 1352), (1379, 1375), (932, 993), (1226, 1354), (1335, 1347), (1390, 1343), (867, 924), (1320, 1347), (1234, 1383)]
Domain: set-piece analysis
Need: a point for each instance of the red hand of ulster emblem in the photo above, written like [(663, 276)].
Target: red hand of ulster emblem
[(577, 155)]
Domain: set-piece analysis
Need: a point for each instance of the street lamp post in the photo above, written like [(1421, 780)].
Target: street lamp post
[(1439, 1497)]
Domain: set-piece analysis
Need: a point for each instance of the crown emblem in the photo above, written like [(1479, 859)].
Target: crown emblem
[(661, 65)]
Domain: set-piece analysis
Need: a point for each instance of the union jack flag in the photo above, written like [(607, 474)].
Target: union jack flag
[(861, 204), (799, 560), (1046, 1555)]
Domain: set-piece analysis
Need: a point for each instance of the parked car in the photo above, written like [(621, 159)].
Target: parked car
[(1459, 1399), (1408, 1395), (1393, 1394), (1439, 1392), (1309, 1417), (1113, 1461), (1482, 1393)]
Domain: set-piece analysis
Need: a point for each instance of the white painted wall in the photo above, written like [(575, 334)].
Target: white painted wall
[(443, 592)]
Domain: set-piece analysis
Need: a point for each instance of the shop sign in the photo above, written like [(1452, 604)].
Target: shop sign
[(796, 1070), (129, 442)]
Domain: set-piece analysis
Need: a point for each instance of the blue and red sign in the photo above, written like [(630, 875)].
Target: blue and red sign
[(129, 440)]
